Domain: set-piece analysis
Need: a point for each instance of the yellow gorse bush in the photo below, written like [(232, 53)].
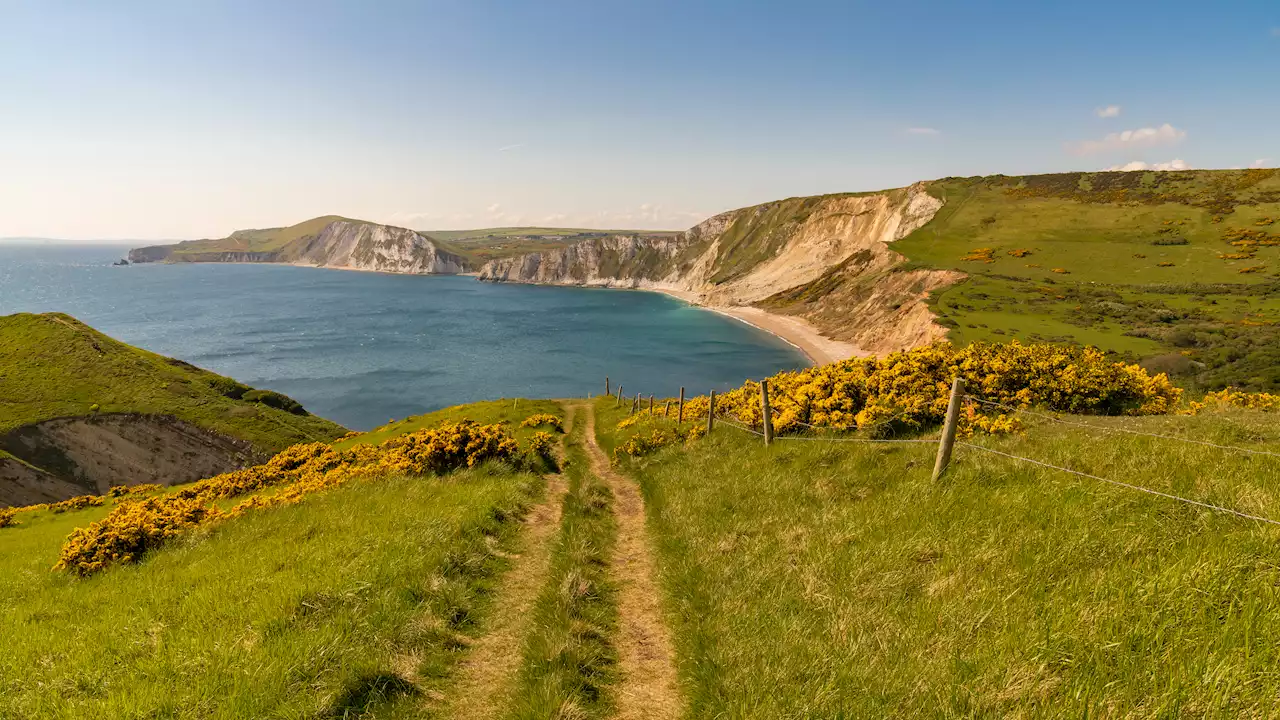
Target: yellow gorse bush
[(136, 526), (909, 390), (543, 419), (129, 530), (116, 491), (78, 502), (541, 443), (1231, 397), (7, 516)]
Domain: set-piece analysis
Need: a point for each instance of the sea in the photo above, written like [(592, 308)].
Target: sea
[(363, 348)]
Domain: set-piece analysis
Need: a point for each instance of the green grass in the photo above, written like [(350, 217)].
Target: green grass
[(60, 367), (359, 599), (264, 241), (1110, 231), (813, 579), (568, 662)]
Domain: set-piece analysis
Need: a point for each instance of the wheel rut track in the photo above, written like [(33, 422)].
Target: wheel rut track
[(648, 688), (487, 675)]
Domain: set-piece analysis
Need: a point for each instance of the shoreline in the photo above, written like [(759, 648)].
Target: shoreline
[(796, 332)]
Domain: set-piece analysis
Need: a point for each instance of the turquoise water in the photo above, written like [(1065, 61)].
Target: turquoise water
[(362, 348)]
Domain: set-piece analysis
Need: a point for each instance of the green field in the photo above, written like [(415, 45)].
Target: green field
[(1198, 317), (64, 368), (481, 246), (815, 579), (806, 579)]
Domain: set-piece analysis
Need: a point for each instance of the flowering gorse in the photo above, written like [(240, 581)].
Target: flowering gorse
[(136, 526), (543, 419), (1232, 398)]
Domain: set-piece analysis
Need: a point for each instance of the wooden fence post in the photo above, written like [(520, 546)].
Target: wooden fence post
[(766, 412), (607, 391), (635, 404), (948, 441), (666, 410), (619, 403), (650, 406), (680, 408), (711, 411)]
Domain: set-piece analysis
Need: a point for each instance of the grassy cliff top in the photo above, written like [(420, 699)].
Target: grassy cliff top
[(52, 365)]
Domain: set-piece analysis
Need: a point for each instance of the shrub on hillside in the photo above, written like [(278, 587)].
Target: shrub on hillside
[(117, 491), (543, 419), (135, 527), (1232, 398), (7, 516), (128, 532), (279, 401), (227, 387), (78, 502), (910, 390)]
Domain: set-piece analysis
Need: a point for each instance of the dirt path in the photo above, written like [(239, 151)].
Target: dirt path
[(487, 675), (648, 688)]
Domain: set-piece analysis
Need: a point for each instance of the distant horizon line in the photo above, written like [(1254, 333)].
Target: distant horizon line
[(23, 239)]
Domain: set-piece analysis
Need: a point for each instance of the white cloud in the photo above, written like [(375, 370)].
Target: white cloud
[(1175, 164), (1109, 111), (494, 209), (513, 146), (1166, 134), (1261, 163), (928, 131)]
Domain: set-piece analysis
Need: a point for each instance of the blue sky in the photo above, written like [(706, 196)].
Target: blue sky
[(190, 119)]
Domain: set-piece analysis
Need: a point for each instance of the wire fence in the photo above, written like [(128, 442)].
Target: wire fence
[(1091, 426), (824, 434)]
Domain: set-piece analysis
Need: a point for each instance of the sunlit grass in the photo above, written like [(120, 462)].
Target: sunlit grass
[(815, 579), (360, 597)]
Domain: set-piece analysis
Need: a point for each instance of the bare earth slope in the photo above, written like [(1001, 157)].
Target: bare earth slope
[(80, 412)]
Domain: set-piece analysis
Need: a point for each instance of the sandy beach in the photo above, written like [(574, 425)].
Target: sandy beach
[(797, 332)]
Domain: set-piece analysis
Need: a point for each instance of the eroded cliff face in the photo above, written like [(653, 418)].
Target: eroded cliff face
[(380, 248), (345, 244), (827, 260), (65, 457)]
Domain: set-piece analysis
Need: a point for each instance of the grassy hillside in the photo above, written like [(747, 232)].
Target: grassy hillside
[(481, 246), (362, 597), (323, 605), (52, 365), (819, 579), (1179, 268)]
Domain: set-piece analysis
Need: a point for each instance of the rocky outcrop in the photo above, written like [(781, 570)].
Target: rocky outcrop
[(825, 259), (64, 457), (340, 243), (381, 248)]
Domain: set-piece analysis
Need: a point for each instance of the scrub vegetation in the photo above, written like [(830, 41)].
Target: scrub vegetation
[(1179, 270)]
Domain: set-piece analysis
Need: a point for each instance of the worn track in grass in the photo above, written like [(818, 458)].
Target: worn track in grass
[(487, 675), (648, 687)]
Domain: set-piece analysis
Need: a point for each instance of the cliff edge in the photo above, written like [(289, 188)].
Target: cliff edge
[(824, 263)]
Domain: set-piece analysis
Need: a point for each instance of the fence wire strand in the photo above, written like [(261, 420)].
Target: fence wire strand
[(854, 440), (1139, 488), (1121, 430), (731, 423)]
